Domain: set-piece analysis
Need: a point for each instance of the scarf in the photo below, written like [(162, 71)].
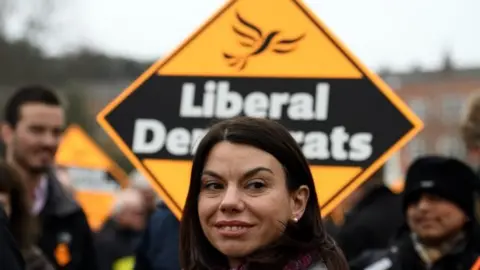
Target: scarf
[(430, 255), (303, 262)]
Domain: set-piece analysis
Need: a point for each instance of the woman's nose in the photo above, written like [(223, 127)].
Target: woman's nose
[(232, 200)]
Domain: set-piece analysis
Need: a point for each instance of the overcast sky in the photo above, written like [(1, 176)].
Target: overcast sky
[(394, 33)]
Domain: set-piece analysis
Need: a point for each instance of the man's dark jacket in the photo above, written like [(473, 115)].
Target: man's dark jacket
[(372, 223), (10, 257), (159, 249), (114, 244), (401, 255), (66, 238)]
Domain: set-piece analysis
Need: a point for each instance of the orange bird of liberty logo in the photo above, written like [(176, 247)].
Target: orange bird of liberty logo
[(258, 42)]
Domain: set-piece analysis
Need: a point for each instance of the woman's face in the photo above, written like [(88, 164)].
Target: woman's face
[(244, 201), (5, 203)]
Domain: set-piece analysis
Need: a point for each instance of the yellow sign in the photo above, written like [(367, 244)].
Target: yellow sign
[(93, 175), (272, 59)]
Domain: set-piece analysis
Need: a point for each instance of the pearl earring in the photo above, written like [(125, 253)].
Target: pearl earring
[(295, 219)]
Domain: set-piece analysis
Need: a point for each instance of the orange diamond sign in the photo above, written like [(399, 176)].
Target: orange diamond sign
[(93, 174), (272, 59), (79, 152)]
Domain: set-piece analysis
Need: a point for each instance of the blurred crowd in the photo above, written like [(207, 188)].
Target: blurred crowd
[(433, 223)]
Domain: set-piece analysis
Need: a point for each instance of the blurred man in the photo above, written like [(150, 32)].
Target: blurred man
[(34, 121), (140, 183), (372, 218), (10, 256), (442, 231), (119, 237)]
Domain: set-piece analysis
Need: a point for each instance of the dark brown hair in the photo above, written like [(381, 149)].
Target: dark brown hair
[(470, 122), (306, 236), (21, 220), (28, 94)]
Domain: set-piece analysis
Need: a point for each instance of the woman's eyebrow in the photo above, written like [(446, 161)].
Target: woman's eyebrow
[(247, 174)]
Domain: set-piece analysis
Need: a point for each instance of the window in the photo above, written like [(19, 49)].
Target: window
[(417, 147), (419, 107), (450, 146), (452, 106)]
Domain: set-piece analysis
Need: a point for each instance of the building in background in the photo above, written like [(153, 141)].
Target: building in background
[(438, 98)]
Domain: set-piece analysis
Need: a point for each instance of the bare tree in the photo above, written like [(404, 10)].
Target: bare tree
[(5, 11), (39, 21), (35, 17)]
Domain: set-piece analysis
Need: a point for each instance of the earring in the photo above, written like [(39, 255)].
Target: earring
[(295, 219)]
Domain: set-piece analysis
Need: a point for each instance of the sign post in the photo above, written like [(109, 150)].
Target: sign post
[(272, 59), (94, 176)]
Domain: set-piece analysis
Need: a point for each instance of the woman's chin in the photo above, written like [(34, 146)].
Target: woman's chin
[(233, 250)]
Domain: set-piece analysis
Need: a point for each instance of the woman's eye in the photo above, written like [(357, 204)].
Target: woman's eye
[(255, 185), (212, 185)]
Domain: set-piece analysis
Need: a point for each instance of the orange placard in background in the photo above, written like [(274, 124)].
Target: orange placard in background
[(94, 176)]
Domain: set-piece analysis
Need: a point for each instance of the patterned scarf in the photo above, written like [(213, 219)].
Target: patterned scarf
[(430, 255), (301, 263)]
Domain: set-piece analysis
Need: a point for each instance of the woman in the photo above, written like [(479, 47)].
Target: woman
[(252, 203), (13, 198)]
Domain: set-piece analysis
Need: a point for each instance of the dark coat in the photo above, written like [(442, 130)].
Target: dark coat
[(66, 238), (371, 223), (10, 256), (115, 245), (403, 256), (35, 260), (159, 248)]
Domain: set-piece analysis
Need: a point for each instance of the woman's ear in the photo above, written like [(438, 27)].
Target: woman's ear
[(298, 203)]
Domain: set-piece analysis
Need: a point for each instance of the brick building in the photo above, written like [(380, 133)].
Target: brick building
[(438, 98)]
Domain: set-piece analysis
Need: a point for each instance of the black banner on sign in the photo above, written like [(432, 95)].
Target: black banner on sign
[(167, 115)]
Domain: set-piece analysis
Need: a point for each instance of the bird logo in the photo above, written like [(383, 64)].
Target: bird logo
[(258, 42)]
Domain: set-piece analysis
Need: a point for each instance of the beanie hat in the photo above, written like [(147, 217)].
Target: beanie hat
[(445, 177)]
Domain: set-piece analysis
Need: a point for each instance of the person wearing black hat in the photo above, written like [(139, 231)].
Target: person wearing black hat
[(441, 231)]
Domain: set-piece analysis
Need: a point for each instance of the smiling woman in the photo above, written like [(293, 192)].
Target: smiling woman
[(252, 203)]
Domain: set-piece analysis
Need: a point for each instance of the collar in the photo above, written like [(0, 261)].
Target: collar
[(112, 226), (40, 196), (59, 201)]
